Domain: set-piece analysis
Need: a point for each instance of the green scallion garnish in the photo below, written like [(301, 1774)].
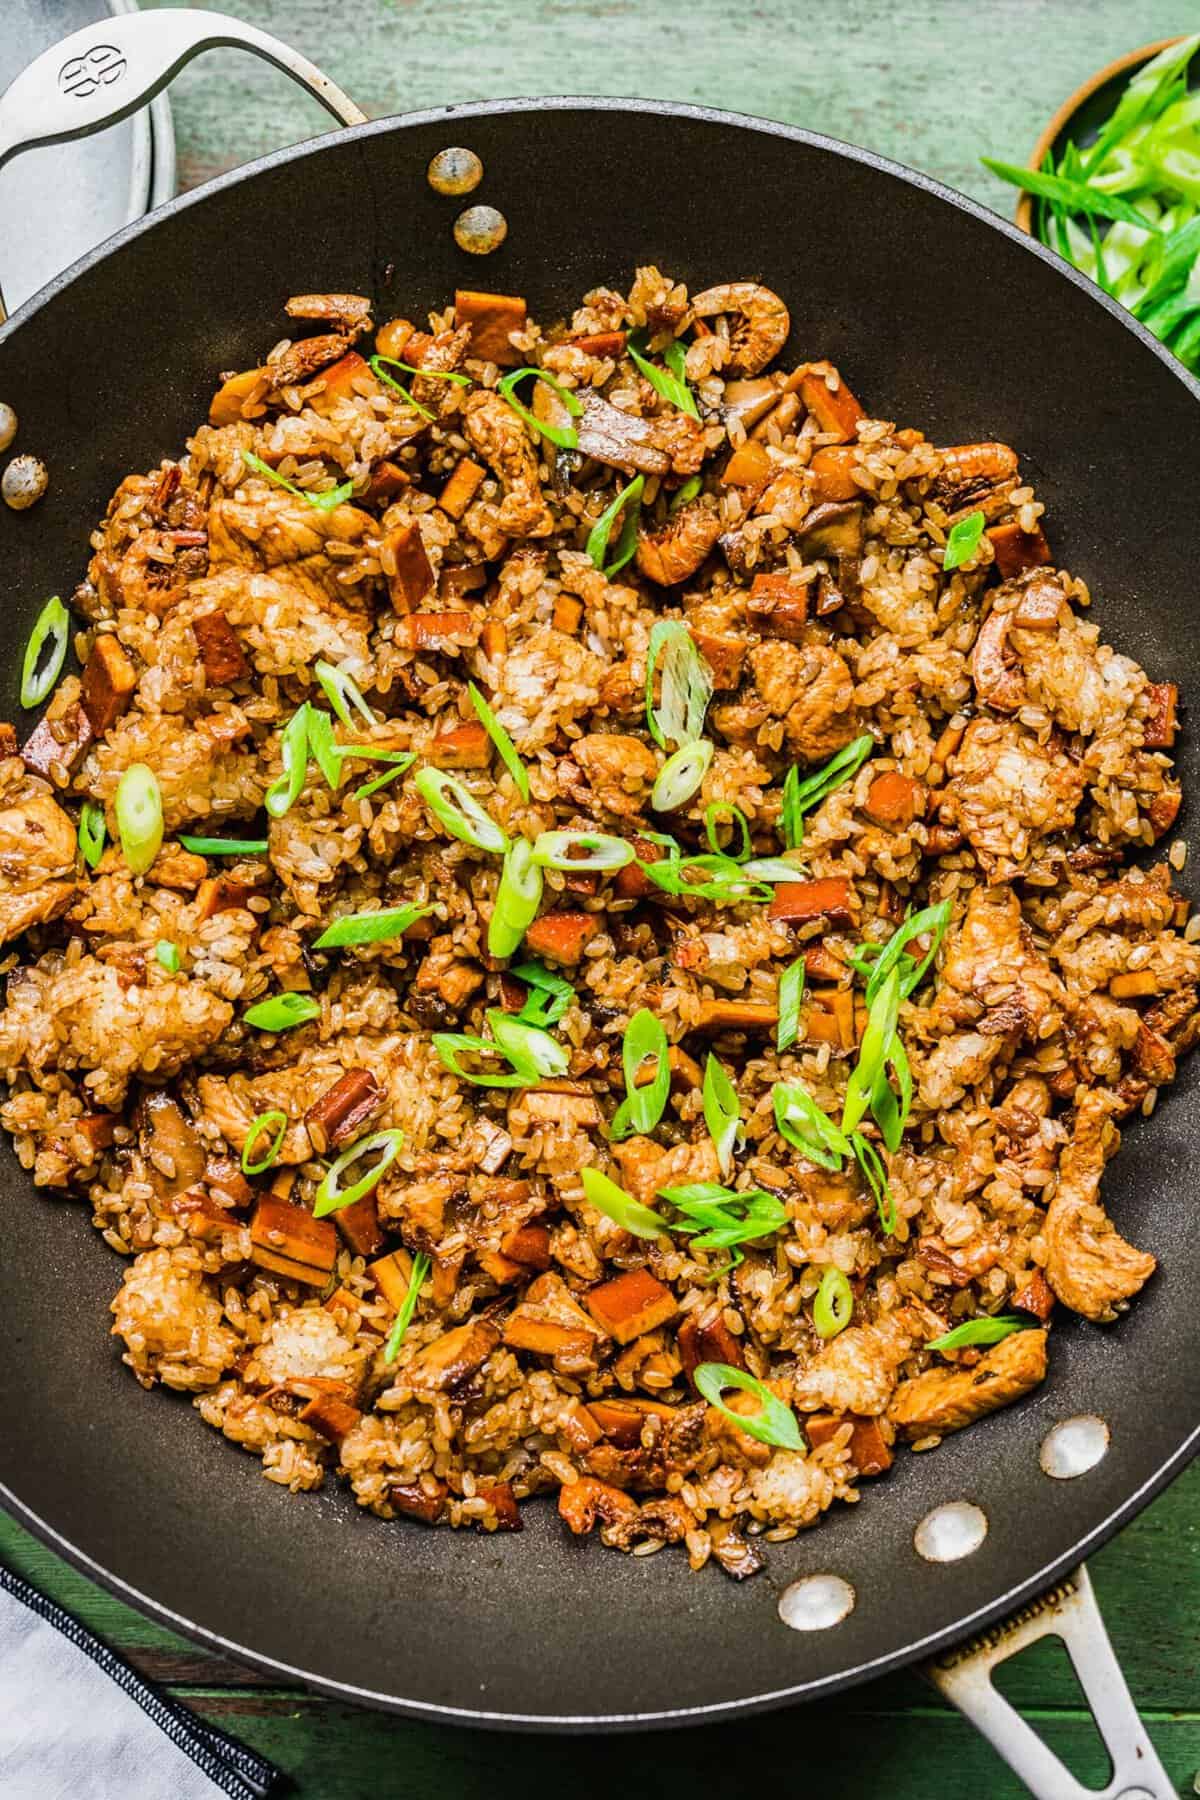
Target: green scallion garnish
[(527, 1045), (138, 807), (418, 1275), (501, 739), (686, 684), (774, 1423), (342, 692), (166, 955), (722, 1112), (581, 851), (801, 1123), (331, 1196), (92, 833), (714, 816), (876, 961), (833, 1307), (721, 1218), (459, 812), (670, 382), (629, 502), (550, 996), (989, 1330), (566, 437), (377, 368), (45, 652), (963, 541), (604, 1194), (875, 1175), (791, 993), (285, 790), (715, 878), (272, 1124), (644, 1104), (681, 776), (322, 502), (369, 927), (282, 1011), (451, 1047), (802, 794), (517, 899), (214, 846), (684, 495)]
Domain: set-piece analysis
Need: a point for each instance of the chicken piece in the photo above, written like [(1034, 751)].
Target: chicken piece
[(170, 1317), (620, 771), (810, 688), (284, 622), (299, 362), (550, 1322), (277, 528), (453, 1358), (992, 978), (676, 549), (110, 1025), (37, 862), (349, 314), (190, 764), (1007, 793), (1088, 1263), (856, 1371), (501, 439), (954, 1065), (646, 1167), (942, 1400)]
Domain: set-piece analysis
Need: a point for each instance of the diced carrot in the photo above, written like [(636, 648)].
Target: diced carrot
[(830, 1018), (501, 1269), (1017, 550), (1163, 809), (222, 655), (494, 639), (562, 937), (832, 469), (820, 963), (463, 747), (529, 1245), (387, 480), (736, 1015), (289, 1241), (834, 409), (339, 379), (332, 1417), (630, 1304), (444, 630), (424, 1499), (227, 403), (869, 1450), (391, 1276), (342, 1300), (1158, 733), (492, 317), (724, 655), (500, 1496), (577, 1425), (631, 883), (710, 1341), (895, 799), (359, 1225), (778, 605), (797, 902), (8, 739), (199, 1214), (457, 579), (543, 1337), (601, 343), (218, 894), (107, 685), (392, 339), (461, 488), (1134, 986), (568, 613), (621, 1419), (413, 577), (1036, 1296), (749, 466)]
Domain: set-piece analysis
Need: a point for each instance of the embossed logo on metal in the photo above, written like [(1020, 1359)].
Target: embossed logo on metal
[(82, 76)]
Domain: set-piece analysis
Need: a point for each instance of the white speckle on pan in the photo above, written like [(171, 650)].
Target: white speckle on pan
[(1074, 1446), (816, 1602), (950, 1532)]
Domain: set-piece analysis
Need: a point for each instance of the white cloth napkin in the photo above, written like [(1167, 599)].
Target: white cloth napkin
[(77, 1723)]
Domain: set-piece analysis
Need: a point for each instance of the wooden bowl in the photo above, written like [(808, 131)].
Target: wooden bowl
[(1112, 73)]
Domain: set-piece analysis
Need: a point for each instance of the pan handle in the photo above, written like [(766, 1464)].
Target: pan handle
[(108, 70), (1069, 1611)]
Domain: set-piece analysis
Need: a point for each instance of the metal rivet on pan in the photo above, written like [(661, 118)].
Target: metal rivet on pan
[(1074, 1446), (8, 424), (951, 1532), (454, 171), (480, 230), (816, 1602), (24, 482)]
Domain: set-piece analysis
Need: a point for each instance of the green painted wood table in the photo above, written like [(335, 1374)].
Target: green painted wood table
[(935, 83)]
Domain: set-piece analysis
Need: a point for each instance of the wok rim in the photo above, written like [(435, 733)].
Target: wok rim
[(1031, 1585)]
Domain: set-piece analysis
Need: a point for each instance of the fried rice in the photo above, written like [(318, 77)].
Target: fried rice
[(473, 1330)]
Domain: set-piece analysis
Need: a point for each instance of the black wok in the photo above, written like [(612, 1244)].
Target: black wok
[(942, 316)]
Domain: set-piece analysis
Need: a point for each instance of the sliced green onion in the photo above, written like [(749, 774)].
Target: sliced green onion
[(501, 739), (458, 811), (668, 382), (166, 954), (376, 366), (138, 807), (1142, 95), (330, 756), (801, 1123), (604, 1194), (963, 541), (323, 502), (871, 1163), (722, 1112), (629, 497), (551, 994), (833, 1307), (715, 813), (331, 1196), (565, 436), (49, 636), (686, 686), (209, 846), (1075, 195), (883, 958), (92, 833), (724, 1218), (342, 692), (528, 1046), (981, 1331), (873, 1051), (720, 879), (282, 1011), (393, 362), (369, 927), (401, 760), (687, 493), (451, 1047), (418, 1275), (800, 795), (600, 852), (517, 899), (890, 1110), (274, 1121), (643, 1105), (323, 748), (284, 791), (774, 1423), (791, 992), (681, 776), (771, 868)]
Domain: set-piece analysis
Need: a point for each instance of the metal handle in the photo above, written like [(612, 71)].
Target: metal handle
[(1070, 1612), (106, 71)]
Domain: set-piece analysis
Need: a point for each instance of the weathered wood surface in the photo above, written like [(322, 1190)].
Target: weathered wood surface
[(935, 83)]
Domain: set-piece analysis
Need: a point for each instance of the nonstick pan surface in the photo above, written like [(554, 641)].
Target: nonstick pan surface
[(941, 316)]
